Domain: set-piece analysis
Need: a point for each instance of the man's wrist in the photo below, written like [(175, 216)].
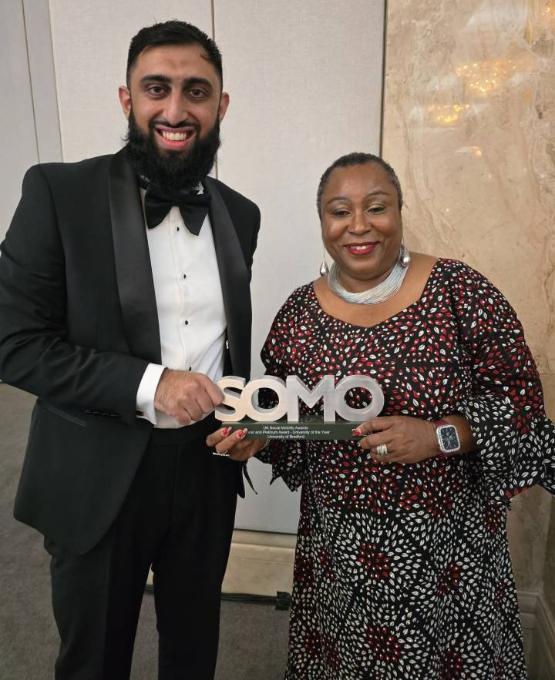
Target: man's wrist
[(147, 391)]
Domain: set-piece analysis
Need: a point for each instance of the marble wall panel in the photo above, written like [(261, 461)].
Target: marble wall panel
[(469, 122)]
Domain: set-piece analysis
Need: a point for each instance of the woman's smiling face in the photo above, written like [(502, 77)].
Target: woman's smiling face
[(361, 224)]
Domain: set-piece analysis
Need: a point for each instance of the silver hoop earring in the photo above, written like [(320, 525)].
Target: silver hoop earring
[(404, 256)]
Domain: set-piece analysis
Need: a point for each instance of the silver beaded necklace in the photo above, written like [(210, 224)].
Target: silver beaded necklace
[(383, 291)]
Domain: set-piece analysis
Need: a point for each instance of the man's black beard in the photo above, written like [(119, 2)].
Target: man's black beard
[(171, 171)]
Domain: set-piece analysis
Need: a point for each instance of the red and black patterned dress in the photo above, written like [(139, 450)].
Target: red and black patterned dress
[(402, 572)]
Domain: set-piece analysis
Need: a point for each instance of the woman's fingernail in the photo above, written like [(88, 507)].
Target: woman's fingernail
[(241, 433), (226, 431), (356, 432)]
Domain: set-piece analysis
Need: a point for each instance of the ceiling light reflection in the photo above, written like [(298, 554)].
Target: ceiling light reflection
[(446, 114), (484, 77)]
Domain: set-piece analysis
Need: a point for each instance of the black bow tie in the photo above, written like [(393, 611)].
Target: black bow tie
[(192, 206)]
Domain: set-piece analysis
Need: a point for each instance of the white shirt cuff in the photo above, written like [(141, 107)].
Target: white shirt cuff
[(147, 390)]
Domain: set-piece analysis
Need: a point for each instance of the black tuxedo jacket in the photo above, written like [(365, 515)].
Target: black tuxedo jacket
[(78, 326)]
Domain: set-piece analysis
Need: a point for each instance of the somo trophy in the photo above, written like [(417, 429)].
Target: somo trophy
[(240, 407)]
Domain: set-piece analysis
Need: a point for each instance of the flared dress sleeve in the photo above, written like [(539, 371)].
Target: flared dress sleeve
[(286, 456), (504, 405)]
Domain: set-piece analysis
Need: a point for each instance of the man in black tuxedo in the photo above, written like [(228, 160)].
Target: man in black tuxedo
[(124, 296)]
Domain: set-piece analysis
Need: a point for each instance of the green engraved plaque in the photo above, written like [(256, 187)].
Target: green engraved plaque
[(305, 429)]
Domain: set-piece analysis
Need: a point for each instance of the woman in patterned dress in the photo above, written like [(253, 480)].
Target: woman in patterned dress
[(402, 569)]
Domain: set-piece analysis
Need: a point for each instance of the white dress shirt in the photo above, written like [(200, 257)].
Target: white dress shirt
[(190, 307)]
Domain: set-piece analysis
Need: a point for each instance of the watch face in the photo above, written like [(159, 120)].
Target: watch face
[(448, 439)]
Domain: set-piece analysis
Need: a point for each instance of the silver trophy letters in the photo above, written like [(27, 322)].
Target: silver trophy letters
[(239, 399)]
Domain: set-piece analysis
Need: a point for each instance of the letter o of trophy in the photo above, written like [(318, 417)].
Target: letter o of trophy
[(358, 414)]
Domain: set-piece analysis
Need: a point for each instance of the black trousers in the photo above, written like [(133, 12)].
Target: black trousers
[(178, 517)]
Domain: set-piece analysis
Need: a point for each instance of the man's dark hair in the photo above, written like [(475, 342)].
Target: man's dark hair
[(358, 158), (173, 33)]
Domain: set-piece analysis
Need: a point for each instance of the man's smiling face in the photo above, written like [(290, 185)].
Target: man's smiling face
[(174, 93)]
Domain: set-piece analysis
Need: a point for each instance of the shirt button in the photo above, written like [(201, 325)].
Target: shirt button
[(186, 323), (184, 276), (177, 228)]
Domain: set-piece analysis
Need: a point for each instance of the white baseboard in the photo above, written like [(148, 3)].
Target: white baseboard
[(260, 563)]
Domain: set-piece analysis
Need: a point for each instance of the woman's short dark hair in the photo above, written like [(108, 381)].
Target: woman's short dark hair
[(358, 158), (173, 33)]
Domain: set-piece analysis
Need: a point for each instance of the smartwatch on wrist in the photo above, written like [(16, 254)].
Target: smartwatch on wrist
[(447, 438)]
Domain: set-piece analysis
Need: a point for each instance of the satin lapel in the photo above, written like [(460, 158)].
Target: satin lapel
[(234, 278), (133, 270)]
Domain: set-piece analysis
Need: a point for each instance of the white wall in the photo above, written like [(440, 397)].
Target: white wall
[(305, 79), (90, 42), (17, 129), (29, 129)]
